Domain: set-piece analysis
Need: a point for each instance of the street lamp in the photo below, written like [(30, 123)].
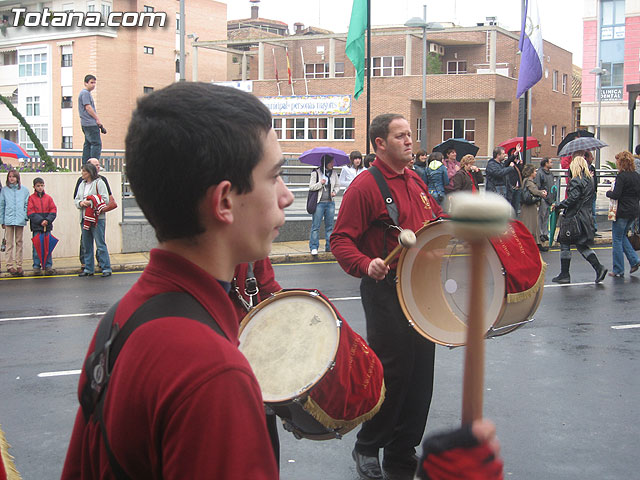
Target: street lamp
[(422, 23), (599, 72)]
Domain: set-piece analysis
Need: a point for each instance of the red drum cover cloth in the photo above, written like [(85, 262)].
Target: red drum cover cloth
[(353, 391), (524, 268)]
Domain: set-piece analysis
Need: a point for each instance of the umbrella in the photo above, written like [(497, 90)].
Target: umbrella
[(532, 142), (10, 149), (580, 144), (460, 145), (314, 156), (553, 222), (44, 243), (572, 136)]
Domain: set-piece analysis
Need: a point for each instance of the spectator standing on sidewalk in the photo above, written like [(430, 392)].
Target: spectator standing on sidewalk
[(544, 181), (13, 217), (324, 179), (42, 211), (89, 121), (496, 173)]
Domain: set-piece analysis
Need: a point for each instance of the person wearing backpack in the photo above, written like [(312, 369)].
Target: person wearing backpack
[(437, 177)]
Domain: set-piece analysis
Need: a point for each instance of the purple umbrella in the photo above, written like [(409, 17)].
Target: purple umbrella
[(314, 156), (10, 149)]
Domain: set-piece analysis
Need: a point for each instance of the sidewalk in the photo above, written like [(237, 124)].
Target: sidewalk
[(281, 252)]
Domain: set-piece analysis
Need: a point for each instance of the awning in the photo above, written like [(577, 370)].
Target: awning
[(7, 90), (8, 128)]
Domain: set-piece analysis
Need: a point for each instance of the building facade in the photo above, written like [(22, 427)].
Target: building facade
[(44, 65), (470, 87), (611, 43)]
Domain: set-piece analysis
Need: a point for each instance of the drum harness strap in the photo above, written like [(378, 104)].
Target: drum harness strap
[(110, 339), (251, 289)]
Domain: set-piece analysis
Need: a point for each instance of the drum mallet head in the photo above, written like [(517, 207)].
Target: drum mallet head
[(406, 239), (479, 216)]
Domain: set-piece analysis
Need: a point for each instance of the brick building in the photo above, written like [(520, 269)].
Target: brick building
[(43, 67), (472, 95), (611, 42)]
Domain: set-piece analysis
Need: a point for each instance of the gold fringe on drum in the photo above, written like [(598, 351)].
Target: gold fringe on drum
[(7, 460), (343, 426), (520, 296)]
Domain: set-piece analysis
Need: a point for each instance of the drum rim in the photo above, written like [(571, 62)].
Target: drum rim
[(403, 303), (316, 295)]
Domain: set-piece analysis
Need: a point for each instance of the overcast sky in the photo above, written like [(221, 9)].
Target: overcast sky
[(561, 20)]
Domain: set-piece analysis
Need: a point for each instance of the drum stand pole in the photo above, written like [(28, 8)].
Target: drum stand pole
[(473, 382)]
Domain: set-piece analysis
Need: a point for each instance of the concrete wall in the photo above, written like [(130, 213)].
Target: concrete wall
[(66, 227)]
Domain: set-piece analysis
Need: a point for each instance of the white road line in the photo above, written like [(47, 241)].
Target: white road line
[(624, 327), (45, 317), (60, 373), (343, 299), (553, 285)]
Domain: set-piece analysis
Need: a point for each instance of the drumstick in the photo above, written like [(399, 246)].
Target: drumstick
[(476, 218), (406, 239)]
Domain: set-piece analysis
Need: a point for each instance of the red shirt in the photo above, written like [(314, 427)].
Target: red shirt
[(357, 237), (182, 400), (267, 284)]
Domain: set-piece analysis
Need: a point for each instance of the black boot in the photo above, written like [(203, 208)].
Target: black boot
[(600, 269), (564, 276)]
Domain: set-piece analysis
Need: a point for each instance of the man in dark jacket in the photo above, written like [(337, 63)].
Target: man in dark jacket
[(496, 173), (544, 181), (514, 179), (41, 211)]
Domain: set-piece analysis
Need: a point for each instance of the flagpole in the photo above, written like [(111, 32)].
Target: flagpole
[(304, 73), (275, 67), (525, 128), (368, 68)]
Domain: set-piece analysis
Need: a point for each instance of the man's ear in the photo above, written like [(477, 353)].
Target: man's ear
[(219, 202), (380, 143)]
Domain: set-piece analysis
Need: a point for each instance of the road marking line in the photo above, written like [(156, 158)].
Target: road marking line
[(624, 327), (569, 284), (44, 317), (342, 299), (60, 373)]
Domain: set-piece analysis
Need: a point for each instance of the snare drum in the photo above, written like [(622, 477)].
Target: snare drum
[(434, 294), (319, 376)]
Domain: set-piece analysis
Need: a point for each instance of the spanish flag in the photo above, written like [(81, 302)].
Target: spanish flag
[(288, 67)]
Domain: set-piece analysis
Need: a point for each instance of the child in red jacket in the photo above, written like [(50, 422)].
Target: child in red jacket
[(41, 211)]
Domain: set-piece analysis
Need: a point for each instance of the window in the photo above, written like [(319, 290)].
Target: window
[(106, 10), (149, 9), (343, 128), (67, 60), (456, 67), (33, 106), (9, 58), (613, 77), (146, 90), (554, 129), (459, 128), (32, 65), (41, 131), (419, 130), (67, 101), (314, 128), (564, 83), (91, 7), (177, 65), (67, 142), (147, 50), (321, 70), (67, 7), (554, 81), (387, 66), (563, 134), (613, 20), (177, 22)]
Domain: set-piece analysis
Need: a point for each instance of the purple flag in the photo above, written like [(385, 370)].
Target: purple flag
[(532, 56)]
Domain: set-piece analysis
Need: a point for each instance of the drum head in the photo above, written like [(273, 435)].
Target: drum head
[(290, 341), (434, 294)]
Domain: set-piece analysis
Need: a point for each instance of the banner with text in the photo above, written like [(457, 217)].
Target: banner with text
[(308, 105)]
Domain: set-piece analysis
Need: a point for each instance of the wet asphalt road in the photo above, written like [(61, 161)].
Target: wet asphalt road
[(563, 390)]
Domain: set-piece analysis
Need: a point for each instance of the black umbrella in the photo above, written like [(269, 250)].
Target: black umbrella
[(460, 145), (573, 136)]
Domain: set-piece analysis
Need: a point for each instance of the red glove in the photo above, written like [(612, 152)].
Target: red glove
[(458, 455)]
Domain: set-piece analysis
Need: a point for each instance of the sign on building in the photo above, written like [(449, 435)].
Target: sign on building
[(308, 105)]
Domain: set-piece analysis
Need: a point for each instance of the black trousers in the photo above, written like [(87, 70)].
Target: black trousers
[(408, 361)]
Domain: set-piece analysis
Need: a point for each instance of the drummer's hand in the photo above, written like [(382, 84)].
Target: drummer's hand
[(485, 431), (377, 269)]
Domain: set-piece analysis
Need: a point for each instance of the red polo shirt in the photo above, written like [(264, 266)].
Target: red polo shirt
[(358, 234)]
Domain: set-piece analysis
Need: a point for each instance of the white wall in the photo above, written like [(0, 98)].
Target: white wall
[(66, 227)]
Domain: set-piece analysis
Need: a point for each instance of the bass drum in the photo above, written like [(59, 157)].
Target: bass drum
[(434, 294)]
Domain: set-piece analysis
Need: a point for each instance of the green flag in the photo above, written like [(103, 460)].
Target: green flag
[(355, 42)]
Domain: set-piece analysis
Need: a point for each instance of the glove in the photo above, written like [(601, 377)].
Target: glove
[(458, 455)]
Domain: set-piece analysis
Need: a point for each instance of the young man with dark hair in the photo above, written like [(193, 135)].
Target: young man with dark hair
[(182, 401), (496, 173), (89, 121)]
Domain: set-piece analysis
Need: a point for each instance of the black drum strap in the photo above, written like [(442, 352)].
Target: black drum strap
[(110, 339), (392, 208)]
